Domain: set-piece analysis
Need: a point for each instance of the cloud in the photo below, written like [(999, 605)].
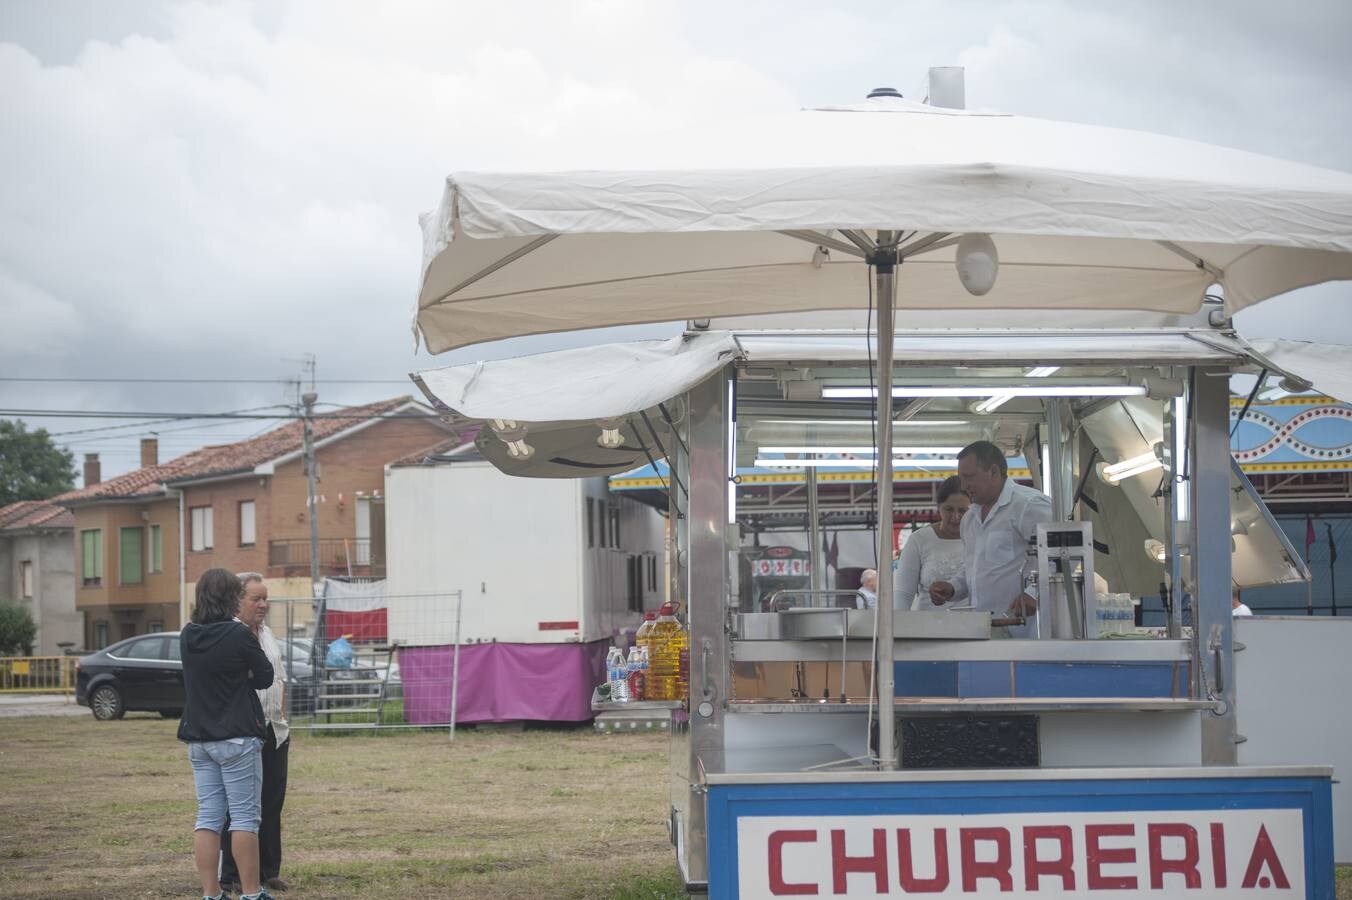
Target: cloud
[(212, 189)]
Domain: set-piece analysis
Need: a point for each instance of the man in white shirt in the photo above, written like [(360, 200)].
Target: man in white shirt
[(995, 535), (253, 611), (1237, 606)]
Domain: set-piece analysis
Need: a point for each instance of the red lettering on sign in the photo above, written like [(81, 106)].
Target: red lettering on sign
[(1185, 866), (842, 865), (778, 886), (997, 869), (1264, 855), (1097, 856), (1034, 867), (906, 864), (1218, 854)]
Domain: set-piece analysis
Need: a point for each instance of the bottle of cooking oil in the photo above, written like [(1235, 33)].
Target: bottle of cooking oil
[(668, 665)]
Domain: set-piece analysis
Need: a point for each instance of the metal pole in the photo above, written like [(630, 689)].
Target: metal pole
[(455, 662), (1212, 584), (884, 261), (814, 531), (1333, 582), (1056, 460), (309, 446)]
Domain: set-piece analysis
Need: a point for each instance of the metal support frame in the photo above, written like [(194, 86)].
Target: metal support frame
[(706, 590), (814, 532), (884, 262), (1212, 622)]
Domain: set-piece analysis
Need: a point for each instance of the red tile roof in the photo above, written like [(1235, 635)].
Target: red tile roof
[(225, 459), (34, 514), (419, 457)]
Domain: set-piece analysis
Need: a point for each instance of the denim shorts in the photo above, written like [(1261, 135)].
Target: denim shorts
[(229, 778)]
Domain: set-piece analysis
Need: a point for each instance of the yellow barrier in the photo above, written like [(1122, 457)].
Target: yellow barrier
[(37, 674)]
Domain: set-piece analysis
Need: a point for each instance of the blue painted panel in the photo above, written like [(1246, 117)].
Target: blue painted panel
[(985, 679), (1094, 680), (926, 679), (1311, 796)]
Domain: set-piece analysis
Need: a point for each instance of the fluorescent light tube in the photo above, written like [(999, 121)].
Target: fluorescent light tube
[(1051, 390), (1113, 477), (854, 463), (862, 450), (864, 423)]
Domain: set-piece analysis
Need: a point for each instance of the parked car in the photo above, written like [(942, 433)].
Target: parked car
[(141, 673), (144, 673)]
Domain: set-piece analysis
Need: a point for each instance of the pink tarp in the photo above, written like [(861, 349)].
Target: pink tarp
[(503, 682)]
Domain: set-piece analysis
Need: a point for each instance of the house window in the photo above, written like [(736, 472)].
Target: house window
[(202, 536), (615, 526), (26, 579), (652, 573), (100, 635), (634, 573), (131, 556), (91, 558), (156, 550), (247, 534), (591, 522), (154, 627)]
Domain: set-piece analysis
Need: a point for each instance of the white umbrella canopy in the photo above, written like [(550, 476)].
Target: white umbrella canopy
[(1083, 217)]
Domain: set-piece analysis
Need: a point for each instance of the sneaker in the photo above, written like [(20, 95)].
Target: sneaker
[(276, 884), (261, 895)]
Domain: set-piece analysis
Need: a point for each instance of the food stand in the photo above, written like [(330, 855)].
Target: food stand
[(945, 760)]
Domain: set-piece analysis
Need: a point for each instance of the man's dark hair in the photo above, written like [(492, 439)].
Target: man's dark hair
[(987, 455), (952, 485), (218, 593)]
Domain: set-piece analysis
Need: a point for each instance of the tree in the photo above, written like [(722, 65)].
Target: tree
[(31, 466), (16, 630)]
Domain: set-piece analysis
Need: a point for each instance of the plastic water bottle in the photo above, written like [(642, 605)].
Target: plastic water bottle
[(618, 675), (634, 673)]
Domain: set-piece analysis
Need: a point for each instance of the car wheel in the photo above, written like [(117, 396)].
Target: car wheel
[(106, 703), (170, 713)]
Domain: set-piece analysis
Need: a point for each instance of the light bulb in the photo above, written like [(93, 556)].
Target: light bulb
[(610, 437), (978, 263), (519, 449)]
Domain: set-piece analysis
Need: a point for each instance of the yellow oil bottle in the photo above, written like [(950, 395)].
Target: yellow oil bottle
[(669, 657)]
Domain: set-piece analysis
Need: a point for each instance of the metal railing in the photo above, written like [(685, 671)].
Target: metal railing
[(37, 674), (337, 556)]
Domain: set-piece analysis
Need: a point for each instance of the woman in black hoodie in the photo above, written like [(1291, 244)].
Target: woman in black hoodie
[(224, 729)]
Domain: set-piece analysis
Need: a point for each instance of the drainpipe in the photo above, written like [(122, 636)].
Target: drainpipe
[(182, 565)]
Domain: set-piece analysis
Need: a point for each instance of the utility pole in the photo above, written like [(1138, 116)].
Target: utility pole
[(308, 401)]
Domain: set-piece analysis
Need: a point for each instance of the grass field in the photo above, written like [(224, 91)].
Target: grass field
[(105, 809)]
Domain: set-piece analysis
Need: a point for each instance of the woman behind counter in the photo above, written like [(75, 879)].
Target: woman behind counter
[(224, 729), (933, 553)]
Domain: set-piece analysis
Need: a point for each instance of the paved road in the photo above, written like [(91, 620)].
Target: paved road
[(15, 705)]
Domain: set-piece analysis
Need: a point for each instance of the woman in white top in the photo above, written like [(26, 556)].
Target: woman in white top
[(933, 553)]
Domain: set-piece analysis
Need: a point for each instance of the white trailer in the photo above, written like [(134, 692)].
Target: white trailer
[(538, 560)]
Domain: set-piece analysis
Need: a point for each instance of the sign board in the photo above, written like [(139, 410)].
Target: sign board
[(1109, 838)]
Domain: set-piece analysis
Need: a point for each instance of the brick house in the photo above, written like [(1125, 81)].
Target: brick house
[(144, 538), (37, 571)]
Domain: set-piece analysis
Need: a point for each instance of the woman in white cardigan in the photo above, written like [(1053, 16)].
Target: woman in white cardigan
[(933, 553)]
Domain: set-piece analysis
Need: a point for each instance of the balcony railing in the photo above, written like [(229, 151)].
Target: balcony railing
[(337, 556)]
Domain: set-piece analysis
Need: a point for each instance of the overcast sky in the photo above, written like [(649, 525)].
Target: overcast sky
[(210, 190)]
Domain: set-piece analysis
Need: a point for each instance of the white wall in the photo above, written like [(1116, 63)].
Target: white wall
[(516, 547), (1291, 682), (53, 602)]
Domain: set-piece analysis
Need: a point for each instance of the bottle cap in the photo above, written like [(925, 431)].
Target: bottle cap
[(649, 616), (668, 609)]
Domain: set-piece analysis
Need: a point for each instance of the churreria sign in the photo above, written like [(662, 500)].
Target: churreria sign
[(1209, 853)]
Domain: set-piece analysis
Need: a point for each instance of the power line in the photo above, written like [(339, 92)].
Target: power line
[(171, 417), (159, 421), (64, 380)]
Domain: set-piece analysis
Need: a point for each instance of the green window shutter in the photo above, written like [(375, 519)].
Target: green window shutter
[(91, 556), (131, 561), (156, 550)]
